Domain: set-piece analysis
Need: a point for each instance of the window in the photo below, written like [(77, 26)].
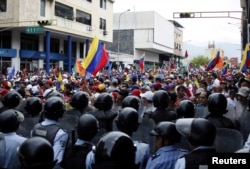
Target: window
[(81, 50), (29, 42), (5, 39), (66, 49), (102, 24), (103, 4), (54, 45), (3, 5), (83, 17), (64, 11), (42, 8)]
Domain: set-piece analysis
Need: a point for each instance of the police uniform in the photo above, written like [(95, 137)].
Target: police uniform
[(90, 159), (12, 142), (142, 153), (59, 142), (165, 157), (76, 156), (141, 156), (202, 157)]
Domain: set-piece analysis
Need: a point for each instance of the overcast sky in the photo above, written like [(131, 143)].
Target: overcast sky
[(199, 31)]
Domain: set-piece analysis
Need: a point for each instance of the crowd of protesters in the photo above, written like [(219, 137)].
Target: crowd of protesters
[(163, 98)]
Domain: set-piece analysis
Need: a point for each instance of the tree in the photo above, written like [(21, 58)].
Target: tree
[(200, 60)]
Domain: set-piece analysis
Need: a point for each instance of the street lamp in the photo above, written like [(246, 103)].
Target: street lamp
[(118, 42)]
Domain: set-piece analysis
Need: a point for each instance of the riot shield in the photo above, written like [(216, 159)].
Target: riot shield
[(228, 140)]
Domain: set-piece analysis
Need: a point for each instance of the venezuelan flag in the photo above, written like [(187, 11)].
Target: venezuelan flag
[(245, 59), (213, 62), (141, 63), (96, 59)]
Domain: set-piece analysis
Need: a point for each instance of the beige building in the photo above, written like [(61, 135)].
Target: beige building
[(211, 51), (147, 34), (65, 30)]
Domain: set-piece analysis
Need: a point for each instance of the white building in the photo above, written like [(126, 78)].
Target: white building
[(146, 34), (66, 37)]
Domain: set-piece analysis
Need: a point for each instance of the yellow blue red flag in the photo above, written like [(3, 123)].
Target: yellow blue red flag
[(96, 59), (245, 62)]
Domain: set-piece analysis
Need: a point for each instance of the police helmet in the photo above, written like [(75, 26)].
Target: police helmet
[(54, 108), (79, 100), (199, 131), (33, 105), (131, 101), (167, 130), (54, 93), (104, 102), (161, 99), (87, 127), (116, 147), (185, 109), (9, 121), (217, 104), (11, 99), (36, 153), (127, 120)]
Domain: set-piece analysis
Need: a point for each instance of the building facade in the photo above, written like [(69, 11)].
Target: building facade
[(146, 34), (48, 33)]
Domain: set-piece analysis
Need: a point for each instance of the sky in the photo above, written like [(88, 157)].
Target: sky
[(196, 31)]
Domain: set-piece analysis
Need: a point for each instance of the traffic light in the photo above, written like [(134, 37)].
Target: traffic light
[(44, 22), (187, 15)]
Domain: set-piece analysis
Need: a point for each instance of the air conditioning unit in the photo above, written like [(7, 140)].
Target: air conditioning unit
[(105, 32)]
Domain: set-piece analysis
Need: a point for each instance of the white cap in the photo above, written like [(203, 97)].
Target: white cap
[(28, 87), (148, 95)]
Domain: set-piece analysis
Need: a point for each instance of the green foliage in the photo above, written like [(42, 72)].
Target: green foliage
[(200, 60)]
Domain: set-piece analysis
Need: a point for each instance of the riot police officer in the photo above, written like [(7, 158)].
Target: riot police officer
[(127, 122), (36, 153), (79, 102), (201, 134), (9, 140), (115, 150), (131, 101), (166, 151), (185, 109), (54, 109), (161, 101), (87, 128), (217, 106), (33, 108), (103, 114), (146, 123)]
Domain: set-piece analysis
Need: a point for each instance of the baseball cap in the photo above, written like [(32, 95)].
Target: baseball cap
[(49, 82), (101, 87), (136, 92), (199, 90), (28, 87), (146, 87), (3, 91), (148, 95), (243, 91)]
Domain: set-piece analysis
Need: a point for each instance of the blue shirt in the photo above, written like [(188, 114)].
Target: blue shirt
[(165, 157), (60, 141), (181, 162), (12, 142)]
